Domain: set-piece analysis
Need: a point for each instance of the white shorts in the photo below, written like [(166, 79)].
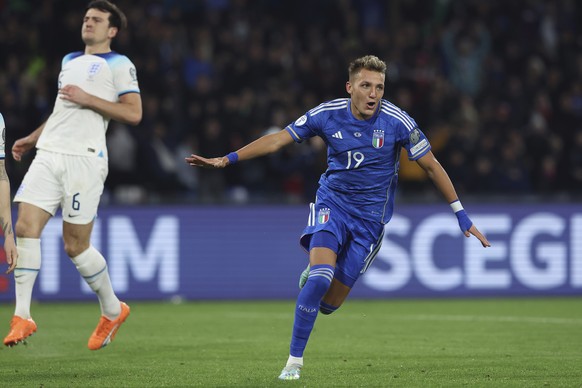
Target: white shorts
[(74, 183)]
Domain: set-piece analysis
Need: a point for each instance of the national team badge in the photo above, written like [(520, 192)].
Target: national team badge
[(378, 138), (94, 68), (323, 215)]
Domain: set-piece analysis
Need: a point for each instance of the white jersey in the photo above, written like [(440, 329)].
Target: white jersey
[(3, 141), (74, 130)]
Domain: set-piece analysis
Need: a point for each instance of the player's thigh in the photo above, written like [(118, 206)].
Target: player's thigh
[(359, 251), (83, 183), (322, 255), (41, 188)]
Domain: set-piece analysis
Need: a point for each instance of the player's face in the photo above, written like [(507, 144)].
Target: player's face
[(96, 27), (366, 89)]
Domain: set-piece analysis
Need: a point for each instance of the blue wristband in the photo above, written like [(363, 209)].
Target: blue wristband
[(464, 222), (232, 158)]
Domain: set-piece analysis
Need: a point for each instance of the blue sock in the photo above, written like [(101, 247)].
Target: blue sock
[(326, 308), (307, 306)]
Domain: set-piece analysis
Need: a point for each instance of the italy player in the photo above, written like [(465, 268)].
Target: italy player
[(364, 135), (70, 167), (5, 205)]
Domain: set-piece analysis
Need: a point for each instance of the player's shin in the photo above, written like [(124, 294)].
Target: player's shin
[(93, 267), (307, 306), (25, 273)]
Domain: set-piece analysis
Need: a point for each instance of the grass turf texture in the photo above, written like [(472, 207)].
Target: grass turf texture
[(406, 343)]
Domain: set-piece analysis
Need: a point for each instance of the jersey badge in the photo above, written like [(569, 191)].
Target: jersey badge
[(301, 120), (133, 74), (378, 138), (94, 68), (323, 215), (414, 136)]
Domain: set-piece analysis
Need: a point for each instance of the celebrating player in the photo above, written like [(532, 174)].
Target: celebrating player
[(5, 208), (70, 168), (355, 199)]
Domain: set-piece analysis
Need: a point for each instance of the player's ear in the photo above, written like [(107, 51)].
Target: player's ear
[(112, 32), (349, 88)]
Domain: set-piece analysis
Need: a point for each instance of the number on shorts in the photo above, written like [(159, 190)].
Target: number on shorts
[(76, 203)]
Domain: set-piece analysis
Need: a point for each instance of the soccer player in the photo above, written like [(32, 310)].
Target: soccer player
[(364, 135), (5, 205), (70, 167)]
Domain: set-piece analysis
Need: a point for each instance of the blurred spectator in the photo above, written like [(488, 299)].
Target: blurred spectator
[(495, 85)]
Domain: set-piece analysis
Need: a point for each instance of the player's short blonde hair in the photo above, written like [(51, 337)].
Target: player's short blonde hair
[(369, 62)]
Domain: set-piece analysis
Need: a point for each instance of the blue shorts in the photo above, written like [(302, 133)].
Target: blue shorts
[(355, 241)]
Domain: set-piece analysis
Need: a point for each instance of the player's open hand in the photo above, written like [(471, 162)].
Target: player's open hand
[(199, 161), (21, 146), (75, 94), (11, 254), (475, 232)]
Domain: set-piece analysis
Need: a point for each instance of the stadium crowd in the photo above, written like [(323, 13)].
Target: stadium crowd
[(495, 85)]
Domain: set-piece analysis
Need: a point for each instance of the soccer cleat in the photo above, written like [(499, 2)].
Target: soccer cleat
[(291, 372), (304, 276), (106, 329), (20, 329)]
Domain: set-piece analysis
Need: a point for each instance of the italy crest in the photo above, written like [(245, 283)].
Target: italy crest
[(323, 215), (378, 138)]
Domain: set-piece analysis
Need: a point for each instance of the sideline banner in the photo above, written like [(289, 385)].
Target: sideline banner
[(253, 252)]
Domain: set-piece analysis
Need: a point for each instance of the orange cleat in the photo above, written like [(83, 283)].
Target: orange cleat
[(106, 329), (20, 329)]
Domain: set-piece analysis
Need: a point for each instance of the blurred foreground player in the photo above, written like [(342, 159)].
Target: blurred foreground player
[(364, 135), (70, 167), (5, 205)]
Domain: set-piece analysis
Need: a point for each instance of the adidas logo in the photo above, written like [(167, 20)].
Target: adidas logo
[(337, 135)]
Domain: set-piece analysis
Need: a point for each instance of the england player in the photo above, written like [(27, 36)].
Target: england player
[(5, 205), (70, 167), (364, 135)]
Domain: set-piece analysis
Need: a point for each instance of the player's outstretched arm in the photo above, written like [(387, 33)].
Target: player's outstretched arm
[(441, 179), (264, 145)]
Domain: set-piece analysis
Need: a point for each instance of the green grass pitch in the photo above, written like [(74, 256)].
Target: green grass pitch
[(390, 343)]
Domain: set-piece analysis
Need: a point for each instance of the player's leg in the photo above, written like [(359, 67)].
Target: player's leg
[(335, 297), (93, 268), (322, 262), (366, 242), (39, 196), (83, 183), (29, 225)]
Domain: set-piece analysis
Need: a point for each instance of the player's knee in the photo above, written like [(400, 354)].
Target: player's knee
[(326, 308)]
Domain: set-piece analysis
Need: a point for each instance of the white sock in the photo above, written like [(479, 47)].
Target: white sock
[(25, 273), (294, 360), (93, 267)]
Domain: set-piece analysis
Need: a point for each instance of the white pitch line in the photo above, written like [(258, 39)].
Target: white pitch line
[(419, 317), (487, 318)]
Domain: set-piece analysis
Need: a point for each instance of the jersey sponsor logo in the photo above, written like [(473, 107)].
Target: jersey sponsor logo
[(338, 135), (301, 120), (378, 138), (323, 215), (357, 134)]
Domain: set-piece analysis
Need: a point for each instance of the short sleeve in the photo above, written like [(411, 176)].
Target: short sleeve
[(124, 75)]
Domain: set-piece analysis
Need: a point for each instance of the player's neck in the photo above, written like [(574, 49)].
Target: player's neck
[(97, 49)]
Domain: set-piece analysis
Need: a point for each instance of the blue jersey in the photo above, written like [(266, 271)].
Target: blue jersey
[(362, 155)]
